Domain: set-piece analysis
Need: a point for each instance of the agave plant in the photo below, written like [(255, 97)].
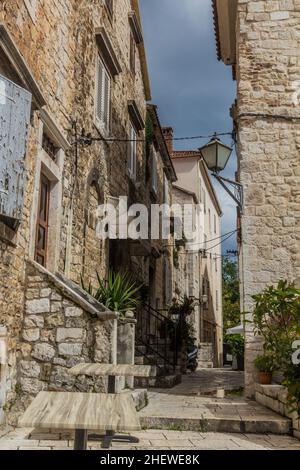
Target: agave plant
[(119, 292)]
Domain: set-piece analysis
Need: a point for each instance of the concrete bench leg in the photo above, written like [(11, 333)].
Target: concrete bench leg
[(80, 442)]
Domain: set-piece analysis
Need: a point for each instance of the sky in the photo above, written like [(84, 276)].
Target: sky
[(192, 89)]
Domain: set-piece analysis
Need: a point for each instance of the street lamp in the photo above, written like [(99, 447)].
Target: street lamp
[(216, 155)]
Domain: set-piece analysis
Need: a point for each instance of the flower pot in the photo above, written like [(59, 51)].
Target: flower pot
[(265, 378)]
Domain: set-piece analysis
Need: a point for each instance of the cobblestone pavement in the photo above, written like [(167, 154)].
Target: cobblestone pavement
[(159, 440)]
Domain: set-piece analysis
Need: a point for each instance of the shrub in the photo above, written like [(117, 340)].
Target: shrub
[(265, 363)]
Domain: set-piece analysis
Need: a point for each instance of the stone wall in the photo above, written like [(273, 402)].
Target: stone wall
[(60, 330), (268, 83), (275, 398), (59, 47)]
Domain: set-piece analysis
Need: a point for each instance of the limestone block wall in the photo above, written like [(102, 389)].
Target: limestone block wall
[(59, 47), (268, 84), (275, 398), (59, 331)]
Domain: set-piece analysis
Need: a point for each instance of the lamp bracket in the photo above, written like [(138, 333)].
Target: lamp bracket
[(238, 195)]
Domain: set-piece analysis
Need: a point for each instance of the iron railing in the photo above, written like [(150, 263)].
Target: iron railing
[(159, 335)]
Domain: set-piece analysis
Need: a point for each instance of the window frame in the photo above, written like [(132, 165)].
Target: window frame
[(109, 4), (154, 172), (104, 125), (132, 54), (166, 190), (43, 223), (132, 154)]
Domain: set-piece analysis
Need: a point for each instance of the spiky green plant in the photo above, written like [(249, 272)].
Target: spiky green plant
[(119, 292)]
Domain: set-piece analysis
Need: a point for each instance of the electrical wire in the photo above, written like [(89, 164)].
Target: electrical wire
[(207, 241), (212, 247), (88, 139)]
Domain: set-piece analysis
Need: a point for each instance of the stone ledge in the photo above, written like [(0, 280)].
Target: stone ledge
[(274, 397), (277, 392), (75, 293)]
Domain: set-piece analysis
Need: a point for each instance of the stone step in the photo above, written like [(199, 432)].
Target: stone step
[(160, 381), (205, 414), (205, 365), (223, 425)]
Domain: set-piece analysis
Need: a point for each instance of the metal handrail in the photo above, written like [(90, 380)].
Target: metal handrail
[(154, 331)]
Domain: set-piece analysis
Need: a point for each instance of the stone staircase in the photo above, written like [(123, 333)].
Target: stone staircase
[(163, 374), (156, 345), (205, 356), (169, 411)]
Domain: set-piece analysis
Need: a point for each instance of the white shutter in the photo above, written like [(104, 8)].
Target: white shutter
[(103, 95), (100, 84), (154, 171), (106, 100), (132, 153)]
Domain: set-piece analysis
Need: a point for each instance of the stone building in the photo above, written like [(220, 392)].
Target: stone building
[(260, 40), (199, 265), (67, 69)]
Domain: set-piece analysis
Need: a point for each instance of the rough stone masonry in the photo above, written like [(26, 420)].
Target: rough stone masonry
[(51, 50), (268, 96)]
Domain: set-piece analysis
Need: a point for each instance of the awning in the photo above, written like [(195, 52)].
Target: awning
[(236, 330)]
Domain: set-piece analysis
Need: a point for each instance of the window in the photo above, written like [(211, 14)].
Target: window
[(204, 200), (103, 96), (132, 153), (216, 264), (42, 221), (49, 147), (132, 53), (166, 191), (215, 223), (154, 185), (209, 221), (217, 300), (110, 6)]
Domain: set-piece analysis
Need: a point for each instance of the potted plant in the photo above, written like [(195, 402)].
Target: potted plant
[(118, 293), (265, 365), (237, 346)]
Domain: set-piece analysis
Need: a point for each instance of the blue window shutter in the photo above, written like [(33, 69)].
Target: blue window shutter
[(15, 106)]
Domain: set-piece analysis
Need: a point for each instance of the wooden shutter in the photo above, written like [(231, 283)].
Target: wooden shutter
[(15, 107)]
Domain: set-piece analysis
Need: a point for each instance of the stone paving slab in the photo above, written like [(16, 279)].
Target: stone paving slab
[(169, 440), (208, 381), (229, 414)]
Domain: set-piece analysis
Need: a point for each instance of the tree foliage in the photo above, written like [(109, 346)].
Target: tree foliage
[(231, 294)]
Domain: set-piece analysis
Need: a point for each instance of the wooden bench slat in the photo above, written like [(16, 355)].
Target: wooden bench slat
[(92, 411)]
